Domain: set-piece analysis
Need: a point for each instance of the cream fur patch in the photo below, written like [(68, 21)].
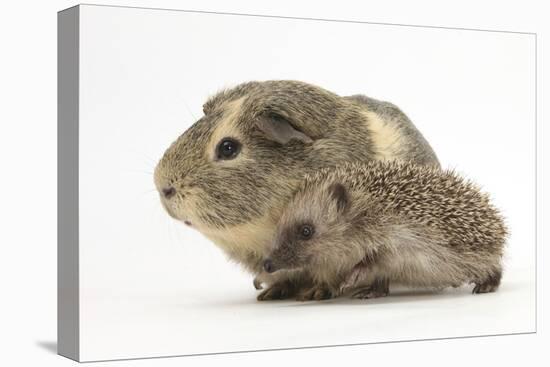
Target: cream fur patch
[(240, 241), (386, 138)]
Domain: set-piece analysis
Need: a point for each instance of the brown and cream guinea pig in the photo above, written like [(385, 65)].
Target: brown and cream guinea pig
[(232, 172)]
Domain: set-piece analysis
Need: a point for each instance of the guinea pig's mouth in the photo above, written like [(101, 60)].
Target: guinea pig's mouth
[(187, 222), (169, 210), (171, 213)]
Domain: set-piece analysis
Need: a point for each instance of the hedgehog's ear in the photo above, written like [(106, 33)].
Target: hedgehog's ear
[(279, 129), (339, 194)]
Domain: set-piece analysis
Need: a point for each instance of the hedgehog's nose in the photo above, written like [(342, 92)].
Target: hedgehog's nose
[(268, 266), (168, 192)]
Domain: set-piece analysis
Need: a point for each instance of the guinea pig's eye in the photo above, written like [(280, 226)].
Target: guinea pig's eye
[(228, 148), (306, 231)]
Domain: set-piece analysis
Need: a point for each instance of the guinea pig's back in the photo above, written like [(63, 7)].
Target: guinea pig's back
[(412, 144)]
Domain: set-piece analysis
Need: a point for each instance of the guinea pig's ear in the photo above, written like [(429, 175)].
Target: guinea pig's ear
[(205, 108), (339, 194), (279, 129)]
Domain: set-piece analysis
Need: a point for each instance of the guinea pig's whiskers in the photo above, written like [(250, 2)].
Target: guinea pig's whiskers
[(149, 161), (179, 238), (171, 229), (189, 110), (147, 192), (149, 173)]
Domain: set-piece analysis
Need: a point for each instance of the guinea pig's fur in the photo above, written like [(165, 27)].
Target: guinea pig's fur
[(388, 222), (285, 129)]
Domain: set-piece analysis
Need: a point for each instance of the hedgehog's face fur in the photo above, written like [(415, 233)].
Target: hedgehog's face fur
[(314, 232)]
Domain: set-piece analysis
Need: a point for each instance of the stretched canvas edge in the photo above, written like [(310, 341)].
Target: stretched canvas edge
[(68, 330)]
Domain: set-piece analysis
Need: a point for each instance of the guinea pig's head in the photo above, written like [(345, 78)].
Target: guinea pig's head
[(311, 233), (244, 157)]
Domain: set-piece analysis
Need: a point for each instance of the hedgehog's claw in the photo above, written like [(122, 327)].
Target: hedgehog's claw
[(281, 290), (490, 284), (379, 288)]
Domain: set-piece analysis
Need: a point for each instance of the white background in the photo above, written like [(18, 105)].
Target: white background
[(30, 183), (151, 287)]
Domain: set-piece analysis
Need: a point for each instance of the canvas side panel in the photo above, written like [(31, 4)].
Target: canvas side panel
[(67, 184)]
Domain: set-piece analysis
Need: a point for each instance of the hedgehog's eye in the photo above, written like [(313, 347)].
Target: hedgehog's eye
[(306, 231), (275, 116), (228, 149)]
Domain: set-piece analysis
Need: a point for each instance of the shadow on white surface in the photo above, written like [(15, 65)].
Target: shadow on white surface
[(48, 345)]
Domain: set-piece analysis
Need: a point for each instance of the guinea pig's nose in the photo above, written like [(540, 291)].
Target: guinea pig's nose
[(268, 266), (168, 192)]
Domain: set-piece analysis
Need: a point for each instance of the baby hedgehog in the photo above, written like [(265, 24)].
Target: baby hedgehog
[(360, 227)]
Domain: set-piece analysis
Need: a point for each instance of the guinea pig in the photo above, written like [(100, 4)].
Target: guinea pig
[(361, 227), (232, 172)]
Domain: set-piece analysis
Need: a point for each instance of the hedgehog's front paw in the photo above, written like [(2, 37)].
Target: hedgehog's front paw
[(378, 288), (315, 293), (280, 290)]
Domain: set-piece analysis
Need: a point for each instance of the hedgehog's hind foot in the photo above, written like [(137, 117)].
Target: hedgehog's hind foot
[(490, 284), (380, 287)]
